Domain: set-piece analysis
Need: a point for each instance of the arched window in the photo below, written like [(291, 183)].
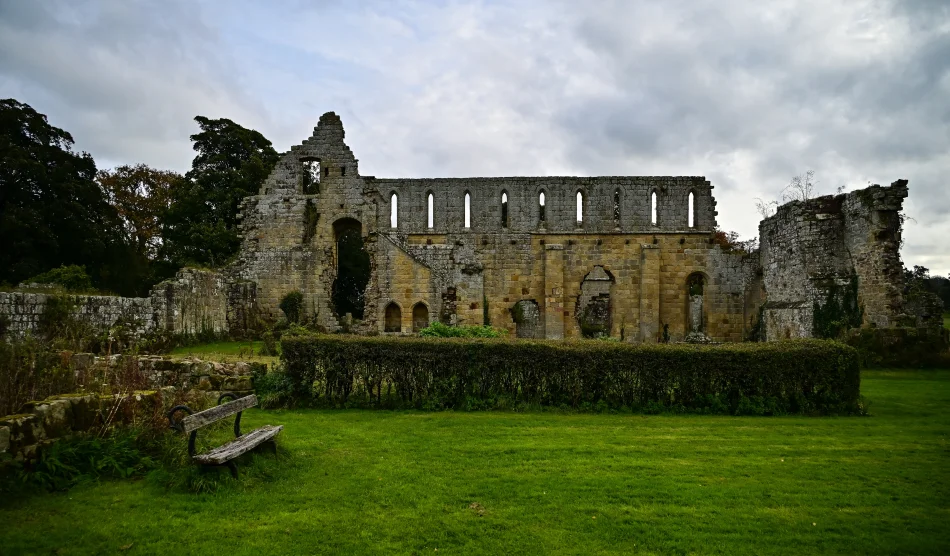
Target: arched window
[(504, 209), (691, 207), (653, 208), (393, 211), (617, 207), (580, 207), (430, 220), (311, 176), (541, 207), (468, 210), (420, 316), (393, 318)]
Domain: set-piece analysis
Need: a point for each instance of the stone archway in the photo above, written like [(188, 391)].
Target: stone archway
[(393, 318), (353, 269), (420, 316), (594, 312), (527, 317)]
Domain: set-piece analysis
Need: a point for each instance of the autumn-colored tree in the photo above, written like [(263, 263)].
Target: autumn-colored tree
[(142, 196)]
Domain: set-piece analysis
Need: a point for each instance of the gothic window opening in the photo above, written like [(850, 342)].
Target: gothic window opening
[(393, 211), (580, 207), (653, 208), (393, 318), (342, 170), (311, 176), (468, 210), (541, 207), (420, 316), (430, 203), (691, 208), (504, 209), (326, 171), (617, 208)]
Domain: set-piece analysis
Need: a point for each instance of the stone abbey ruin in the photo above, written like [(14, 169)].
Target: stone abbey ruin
[(544, 257)]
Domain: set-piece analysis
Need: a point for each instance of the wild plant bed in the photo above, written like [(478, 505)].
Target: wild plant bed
[(805, 376)]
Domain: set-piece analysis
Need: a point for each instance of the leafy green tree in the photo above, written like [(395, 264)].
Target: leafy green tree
[(52, 211), (200, 226)]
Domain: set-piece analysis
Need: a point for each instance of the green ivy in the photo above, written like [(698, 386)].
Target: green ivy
[(839, 313), (799, 376)]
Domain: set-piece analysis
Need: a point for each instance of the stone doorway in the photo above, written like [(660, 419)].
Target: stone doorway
[(353, 269)]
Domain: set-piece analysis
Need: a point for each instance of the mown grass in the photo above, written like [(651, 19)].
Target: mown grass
[(225, 352), (358, 482)]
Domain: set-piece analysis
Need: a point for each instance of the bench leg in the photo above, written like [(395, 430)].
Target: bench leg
[(233, 467), (273, 447)]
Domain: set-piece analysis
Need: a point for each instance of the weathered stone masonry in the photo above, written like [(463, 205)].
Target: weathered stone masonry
[(639, 263)]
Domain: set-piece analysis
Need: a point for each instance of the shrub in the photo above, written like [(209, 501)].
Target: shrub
[(291, 304), (30, 371), (72, 278), (439, 330), (802, 376)]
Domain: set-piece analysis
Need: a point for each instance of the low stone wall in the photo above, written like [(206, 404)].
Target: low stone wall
[(24, 311), (163, 371), (42, 422), (39, 423), (194, 302)]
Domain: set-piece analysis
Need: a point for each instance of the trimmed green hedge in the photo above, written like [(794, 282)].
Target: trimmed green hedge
[(801, 376)]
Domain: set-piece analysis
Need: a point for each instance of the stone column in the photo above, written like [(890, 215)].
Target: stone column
[(649, 292), (554, 291)]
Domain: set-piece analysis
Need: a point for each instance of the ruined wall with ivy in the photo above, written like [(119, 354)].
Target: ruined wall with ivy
[(833, 263)]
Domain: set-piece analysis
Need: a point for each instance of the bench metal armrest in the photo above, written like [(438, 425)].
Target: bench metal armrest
[(177, 426), (237, 418)]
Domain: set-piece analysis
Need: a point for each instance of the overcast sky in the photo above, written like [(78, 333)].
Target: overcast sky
[(745, 93)]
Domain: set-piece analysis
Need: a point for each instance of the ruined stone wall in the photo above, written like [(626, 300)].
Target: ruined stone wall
[(601, 212), (24, 311), (811, 249), (39, 423), (193, 302), (507, 255)]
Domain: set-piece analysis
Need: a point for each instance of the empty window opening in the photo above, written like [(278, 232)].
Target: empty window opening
[(580, 207), (393, 211), (393, 318), (311, 176), (342, 170), (430, 220), (504, 209), (420, 316), (692, 211), (353, 269), (326, 170), (541, 206), (617, 208), (653, 208), (468, 210)]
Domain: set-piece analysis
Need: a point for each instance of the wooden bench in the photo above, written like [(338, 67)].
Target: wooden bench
[(226, 454)]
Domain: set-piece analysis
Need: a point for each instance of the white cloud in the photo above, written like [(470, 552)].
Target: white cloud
[(746, 93)]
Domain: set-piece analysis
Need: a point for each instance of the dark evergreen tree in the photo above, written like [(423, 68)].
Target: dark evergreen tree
[(52, 211), (200, 226)]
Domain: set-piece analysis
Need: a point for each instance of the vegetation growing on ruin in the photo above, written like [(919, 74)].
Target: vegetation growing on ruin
[(362, 482), (292, 306), (805, 376), (840, 312)]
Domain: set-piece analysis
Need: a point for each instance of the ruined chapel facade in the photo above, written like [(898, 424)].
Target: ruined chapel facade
[(552, 257)]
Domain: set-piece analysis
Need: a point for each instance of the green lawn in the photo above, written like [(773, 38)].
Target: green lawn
[(374, 482)]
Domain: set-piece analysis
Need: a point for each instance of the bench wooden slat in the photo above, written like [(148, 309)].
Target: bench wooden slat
[(208, 416), (239, 445)]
